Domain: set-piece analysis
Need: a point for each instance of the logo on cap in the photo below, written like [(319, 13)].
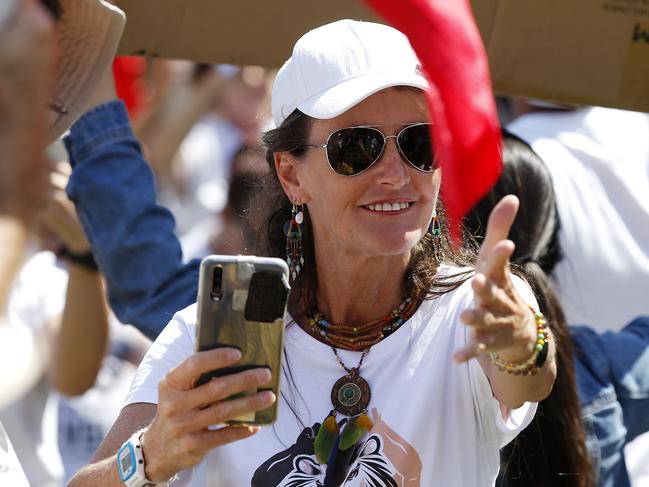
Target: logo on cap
[(419, 70)]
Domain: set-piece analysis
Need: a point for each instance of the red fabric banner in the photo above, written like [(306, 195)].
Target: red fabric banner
[(465, 129)]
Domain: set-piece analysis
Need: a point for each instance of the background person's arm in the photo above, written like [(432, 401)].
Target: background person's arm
[(132, 237), (78, 335), (26, 70), (628, 352)]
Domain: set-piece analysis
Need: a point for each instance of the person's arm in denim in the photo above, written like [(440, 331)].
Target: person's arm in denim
[(628, 352), (617, 362), (612, 373), (132, 237)]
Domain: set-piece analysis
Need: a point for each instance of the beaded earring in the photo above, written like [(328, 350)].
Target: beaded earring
[(435, 229), (293, 232)]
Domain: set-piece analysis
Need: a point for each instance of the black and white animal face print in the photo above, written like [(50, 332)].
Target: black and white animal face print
[(381, 460)]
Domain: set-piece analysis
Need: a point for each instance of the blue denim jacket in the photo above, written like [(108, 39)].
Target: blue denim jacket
[(134, 244), (612, 371), (132, 237)]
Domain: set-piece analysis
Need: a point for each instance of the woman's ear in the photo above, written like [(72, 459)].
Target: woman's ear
[(286, 166)]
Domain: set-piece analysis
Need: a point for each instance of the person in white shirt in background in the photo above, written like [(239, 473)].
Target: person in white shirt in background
[(58, 423)]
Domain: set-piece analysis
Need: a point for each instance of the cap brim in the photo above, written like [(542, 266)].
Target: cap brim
[(342, 97), (88, 33)]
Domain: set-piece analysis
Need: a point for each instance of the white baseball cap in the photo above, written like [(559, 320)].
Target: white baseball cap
[(338, 65)]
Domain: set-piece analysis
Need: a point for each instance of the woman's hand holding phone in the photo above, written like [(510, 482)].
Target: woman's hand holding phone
[(180, 434)]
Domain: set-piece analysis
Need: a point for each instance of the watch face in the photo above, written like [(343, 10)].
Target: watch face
[(126, 462)]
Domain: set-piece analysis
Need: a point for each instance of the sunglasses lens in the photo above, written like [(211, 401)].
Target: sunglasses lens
[(416, 147), (352, 150)]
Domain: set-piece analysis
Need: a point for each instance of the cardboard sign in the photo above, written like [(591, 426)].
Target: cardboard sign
[(251, 32), (592, 52)]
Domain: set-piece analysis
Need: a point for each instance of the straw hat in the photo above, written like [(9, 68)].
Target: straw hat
[(88, 34)]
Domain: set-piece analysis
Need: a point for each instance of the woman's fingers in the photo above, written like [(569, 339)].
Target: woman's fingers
[(496, 264), (489, 332), (223, 387), (184, 412), (222, 411), (489, 295), (184, 376), (499, 224)]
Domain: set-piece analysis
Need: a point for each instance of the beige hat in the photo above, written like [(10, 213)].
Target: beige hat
[(88, 34)]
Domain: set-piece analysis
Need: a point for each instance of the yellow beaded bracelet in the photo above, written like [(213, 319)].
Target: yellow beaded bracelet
[(539, 354)]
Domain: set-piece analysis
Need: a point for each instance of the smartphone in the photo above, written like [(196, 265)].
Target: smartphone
[(241, 304)]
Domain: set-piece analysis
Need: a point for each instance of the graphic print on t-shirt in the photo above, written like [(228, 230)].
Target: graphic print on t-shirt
[(383, 459)]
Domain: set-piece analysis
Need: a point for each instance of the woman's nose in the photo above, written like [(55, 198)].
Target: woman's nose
[(392, 169)]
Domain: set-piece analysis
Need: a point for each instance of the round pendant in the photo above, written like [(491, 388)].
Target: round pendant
[(350, 395)]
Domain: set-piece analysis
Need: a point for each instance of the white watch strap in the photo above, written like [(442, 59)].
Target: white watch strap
[(133, 448)]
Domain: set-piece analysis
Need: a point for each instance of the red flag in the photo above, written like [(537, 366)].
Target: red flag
[(129, 72), (465, 129)]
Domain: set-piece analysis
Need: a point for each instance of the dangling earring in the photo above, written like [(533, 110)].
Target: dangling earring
[(293, 232), (435, 229)]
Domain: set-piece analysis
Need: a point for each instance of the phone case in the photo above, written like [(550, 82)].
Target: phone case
[(241, 303)]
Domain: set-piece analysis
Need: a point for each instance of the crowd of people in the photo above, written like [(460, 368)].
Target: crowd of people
[(519, 356)]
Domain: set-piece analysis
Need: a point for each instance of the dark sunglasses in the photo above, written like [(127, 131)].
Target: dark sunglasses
[(353, 150)]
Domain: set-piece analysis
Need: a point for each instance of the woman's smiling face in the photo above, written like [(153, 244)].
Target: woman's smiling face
[(386, 209)]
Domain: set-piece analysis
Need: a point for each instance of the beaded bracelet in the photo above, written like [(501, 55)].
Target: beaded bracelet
[(539, 354)]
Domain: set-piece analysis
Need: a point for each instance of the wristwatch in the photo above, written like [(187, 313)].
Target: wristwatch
[(130, 463)]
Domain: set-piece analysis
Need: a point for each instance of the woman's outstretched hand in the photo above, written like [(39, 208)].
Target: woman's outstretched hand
[(500, 320), (180, 434)]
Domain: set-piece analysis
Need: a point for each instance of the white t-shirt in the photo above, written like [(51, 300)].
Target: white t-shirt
[(435, 422), (38, 295), (599, 162)]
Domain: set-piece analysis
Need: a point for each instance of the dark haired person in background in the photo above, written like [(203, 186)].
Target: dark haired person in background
[(610, 371)]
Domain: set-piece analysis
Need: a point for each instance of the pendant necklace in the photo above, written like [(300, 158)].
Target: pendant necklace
[(351, 394)]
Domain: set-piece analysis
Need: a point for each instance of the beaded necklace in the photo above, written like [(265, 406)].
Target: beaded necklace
[(350, 395), (358, 338)]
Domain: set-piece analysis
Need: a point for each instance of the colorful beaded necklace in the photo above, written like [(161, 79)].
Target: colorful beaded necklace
[(350, 395), (358, 338)]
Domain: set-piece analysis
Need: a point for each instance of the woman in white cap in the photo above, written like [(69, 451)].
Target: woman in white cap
[(428, 368)]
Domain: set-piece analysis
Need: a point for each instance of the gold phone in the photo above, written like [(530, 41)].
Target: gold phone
[(241, 304)]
